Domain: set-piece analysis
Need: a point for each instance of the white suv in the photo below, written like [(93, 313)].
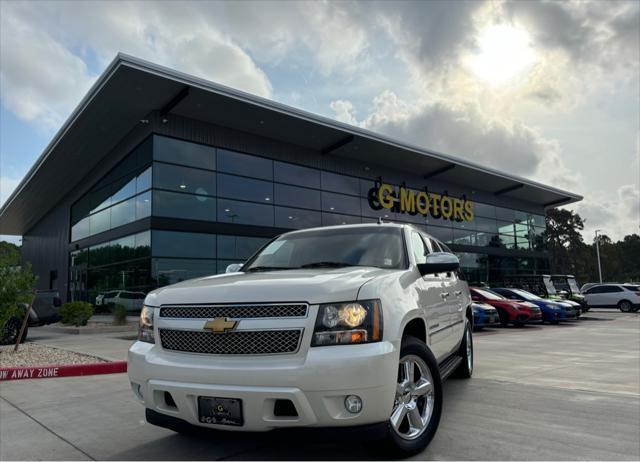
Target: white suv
[(623, 296), (327, 327)]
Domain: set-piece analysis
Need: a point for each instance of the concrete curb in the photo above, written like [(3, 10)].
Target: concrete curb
[(61, 370), (108, 329)]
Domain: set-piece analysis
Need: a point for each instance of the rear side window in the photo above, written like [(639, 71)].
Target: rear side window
[(632, 288), (435, 246), (419, 249)]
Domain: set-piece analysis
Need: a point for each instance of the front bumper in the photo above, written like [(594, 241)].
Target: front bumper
[(316, 383), (482, 319)]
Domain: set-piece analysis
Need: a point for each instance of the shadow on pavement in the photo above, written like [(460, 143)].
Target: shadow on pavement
[(293, 444)]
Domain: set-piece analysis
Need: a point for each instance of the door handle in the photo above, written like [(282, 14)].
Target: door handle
[(444, 294), (457, 293)]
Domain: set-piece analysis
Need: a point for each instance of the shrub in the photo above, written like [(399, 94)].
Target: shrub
[(119, 314), (76, 313), (16, 287)]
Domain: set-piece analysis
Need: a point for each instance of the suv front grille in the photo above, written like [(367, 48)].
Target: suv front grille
[(297, 310), (256, 342)]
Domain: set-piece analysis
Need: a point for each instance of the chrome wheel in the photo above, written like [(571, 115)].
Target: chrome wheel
[(467, 339), (414, 401)]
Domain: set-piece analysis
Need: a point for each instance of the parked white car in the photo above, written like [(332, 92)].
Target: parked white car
[(327, 327), (132, 301), (623, 296)]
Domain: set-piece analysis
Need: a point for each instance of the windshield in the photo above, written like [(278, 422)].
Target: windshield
[(573, 285), (489, 295), (380, 247), (551, 290), (526, 295)]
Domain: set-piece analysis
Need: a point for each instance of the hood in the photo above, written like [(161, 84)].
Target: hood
[(318, 285)]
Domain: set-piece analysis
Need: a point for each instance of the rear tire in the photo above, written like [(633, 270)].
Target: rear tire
[(418, 402), (626, 306)]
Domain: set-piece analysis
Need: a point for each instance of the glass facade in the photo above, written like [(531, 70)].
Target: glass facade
[(174, 179)]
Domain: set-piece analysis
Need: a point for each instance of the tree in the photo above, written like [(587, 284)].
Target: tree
[(564, 240), (620, 260), (16, 287), (9, 254)]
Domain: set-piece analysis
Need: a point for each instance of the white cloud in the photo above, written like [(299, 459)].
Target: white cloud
[(44, 75), (41, 80), (616, 217), (467, 133), (7, 186)]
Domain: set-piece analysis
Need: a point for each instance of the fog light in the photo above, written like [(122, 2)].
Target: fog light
[(353, 404)]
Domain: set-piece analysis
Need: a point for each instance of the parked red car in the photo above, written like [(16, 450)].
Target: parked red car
[(510, 312)]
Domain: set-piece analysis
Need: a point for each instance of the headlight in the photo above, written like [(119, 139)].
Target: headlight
[(145, 330), (351, 322)]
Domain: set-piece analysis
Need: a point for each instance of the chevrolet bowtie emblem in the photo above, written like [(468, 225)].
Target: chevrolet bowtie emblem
[(220, 325)]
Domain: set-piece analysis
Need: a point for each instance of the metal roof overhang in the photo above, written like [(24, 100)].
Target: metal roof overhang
[(130, 89)]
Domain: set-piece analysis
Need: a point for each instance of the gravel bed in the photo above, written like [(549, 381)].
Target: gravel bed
[(34, 354)]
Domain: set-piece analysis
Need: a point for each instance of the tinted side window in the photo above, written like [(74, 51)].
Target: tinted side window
[(612, 289), (244, 164), (296, 174), (595, 290), (184, 153)]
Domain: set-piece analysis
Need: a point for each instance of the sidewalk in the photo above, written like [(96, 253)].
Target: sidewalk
[(110, 346)]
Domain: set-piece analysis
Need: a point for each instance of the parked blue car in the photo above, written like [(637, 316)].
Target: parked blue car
[(484, 315), (553, 311)]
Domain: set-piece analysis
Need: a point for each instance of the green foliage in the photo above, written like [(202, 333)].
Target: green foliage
[(119, 314), (16, 286), (9, 254), (571, 255), (76, 313)]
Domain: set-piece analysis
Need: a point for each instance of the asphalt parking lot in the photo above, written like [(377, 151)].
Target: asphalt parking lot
[(570, 391)]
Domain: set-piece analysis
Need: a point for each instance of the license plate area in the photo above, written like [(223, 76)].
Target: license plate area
[(220, 411)]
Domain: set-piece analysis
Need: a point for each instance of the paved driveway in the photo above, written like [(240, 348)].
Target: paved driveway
[(545, 392)]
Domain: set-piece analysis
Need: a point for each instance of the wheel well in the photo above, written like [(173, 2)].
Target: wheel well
[(416, 328), (624, 300)]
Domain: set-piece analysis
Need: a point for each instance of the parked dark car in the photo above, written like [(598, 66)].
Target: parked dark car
[(45, 310), (510, 312), (553, 311)]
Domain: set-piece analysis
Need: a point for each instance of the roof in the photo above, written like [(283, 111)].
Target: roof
[(130, 89)]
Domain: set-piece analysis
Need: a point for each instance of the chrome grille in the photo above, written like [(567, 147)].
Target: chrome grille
[(249, 342), (297, 310)]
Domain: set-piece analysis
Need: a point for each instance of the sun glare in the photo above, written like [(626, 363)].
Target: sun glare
[(504, 52)]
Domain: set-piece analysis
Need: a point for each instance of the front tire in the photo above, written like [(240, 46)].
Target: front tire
[(465, 369), (418, 401), (625, 306), (10, 332)]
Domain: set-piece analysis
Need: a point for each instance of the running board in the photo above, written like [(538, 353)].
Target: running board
[(449, 365)]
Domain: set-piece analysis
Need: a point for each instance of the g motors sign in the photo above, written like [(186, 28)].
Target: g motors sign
[(400, 199)]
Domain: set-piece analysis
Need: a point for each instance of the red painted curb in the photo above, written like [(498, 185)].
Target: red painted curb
[(61, 370)]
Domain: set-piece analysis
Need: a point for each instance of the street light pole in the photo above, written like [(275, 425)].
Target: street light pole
[(598, 254)]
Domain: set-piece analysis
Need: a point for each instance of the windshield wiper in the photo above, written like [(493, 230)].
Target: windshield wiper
[(327, 264), (267, 268)]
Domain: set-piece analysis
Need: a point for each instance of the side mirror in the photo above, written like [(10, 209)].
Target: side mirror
[(439, 262), (234, 268)]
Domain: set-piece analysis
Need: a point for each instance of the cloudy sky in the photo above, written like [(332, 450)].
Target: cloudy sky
[(546, 90)]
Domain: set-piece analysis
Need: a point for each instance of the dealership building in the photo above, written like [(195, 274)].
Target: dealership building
[(159, 176)]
